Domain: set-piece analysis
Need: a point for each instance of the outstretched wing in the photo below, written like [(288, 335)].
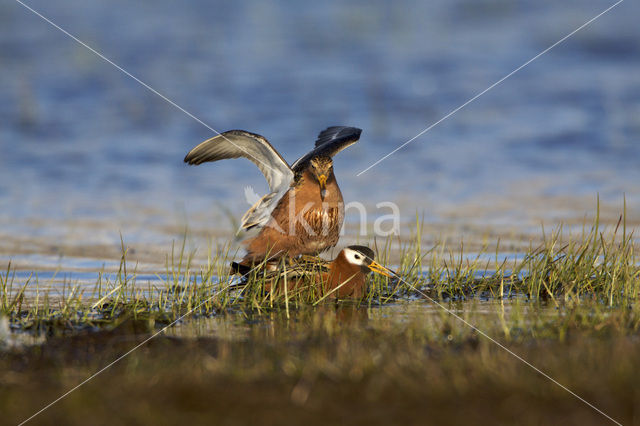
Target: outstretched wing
[(337, 134), (239, 143), (330, 141)]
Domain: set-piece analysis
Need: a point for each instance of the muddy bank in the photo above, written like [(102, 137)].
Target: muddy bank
[(346, 366)]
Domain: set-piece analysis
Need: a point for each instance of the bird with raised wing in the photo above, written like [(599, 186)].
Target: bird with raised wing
[(304, 211), (345, 276)]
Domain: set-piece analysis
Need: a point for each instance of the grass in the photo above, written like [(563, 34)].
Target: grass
[(569, 307), (597, 264), (340, 364)]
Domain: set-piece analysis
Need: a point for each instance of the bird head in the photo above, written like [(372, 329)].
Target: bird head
[(362, 256), (322, 169)]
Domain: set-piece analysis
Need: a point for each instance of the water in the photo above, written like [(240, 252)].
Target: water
[(87, 153), (88, 156)]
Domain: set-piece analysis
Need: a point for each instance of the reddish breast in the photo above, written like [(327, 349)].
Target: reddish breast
[(348, 278), (302, 223)]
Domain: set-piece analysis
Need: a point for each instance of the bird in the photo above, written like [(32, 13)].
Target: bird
[(304, 210), (343, 277)]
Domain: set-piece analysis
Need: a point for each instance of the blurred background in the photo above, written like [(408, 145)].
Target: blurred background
[(87, 153)]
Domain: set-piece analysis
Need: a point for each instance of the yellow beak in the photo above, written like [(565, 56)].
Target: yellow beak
[(376, 267), (322, 180)]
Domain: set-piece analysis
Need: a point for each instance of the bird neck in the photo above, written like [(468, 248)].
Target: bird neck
[(346, 277)]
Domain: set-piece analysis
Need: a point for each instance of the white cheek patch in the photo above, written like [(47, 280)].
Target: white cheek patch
[(351, 257)]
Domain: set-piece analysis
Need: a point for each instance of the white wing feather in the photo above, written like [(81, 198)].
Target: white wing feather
[(239, 143)]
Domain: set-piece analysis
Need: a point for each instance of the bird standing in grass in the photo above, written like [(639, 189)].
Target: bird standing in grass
[(345, 276), (304, 211)]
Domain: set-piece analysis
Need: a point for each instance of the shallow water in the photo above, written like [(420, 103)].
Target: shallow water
[(333, 365), (88, 153), (401, 313), (55, 274), (90, 160)]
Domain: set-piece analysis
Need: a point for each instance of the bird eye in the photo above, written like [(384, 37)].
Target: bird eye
[(357, 256)]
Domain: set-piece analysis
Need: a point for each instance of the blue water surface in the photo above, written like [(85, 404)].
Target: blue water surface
[(80, 139)]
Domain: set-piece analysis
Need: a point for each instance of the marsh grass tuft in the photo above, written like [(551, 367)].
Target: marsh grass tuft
[(568, 306), (597, 264)]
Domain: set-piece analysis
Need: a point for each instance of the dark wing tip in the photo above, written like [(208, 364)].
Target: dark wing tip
[(330, 141), (195, 157), (338, 133), (189, 159)]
